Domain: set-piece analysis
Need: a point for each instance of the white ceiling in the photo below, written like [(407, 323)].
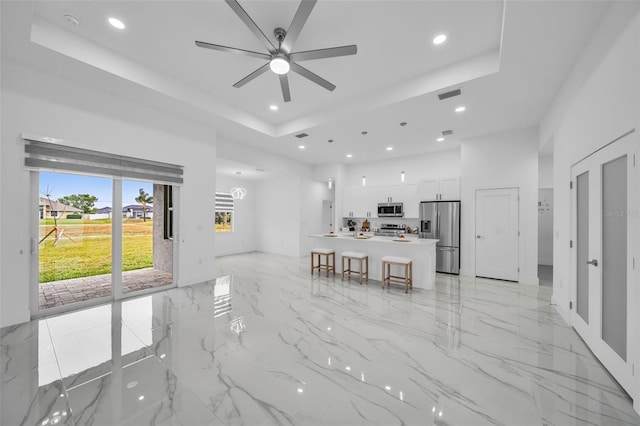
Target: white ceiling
[(509, 59)]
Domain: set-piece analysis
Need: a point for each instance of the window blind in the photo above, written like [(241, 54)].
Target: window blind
[(48, 156), (224, 202)]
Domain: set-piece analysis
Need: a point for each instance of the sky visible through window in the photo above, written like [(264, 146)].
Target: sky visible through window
[(61, 184)]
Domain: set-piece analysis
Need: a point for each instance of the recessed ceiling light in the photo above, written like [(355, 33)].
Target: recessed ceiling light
[(389, 148), (349, 155), (301, 146), (440, 139), (439, 39), (461, 109), (117, 23), (273, 107)]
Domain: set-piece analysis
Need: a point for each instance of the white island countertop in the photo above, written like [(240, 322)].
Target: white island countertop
[(411, 240), (421, 251)]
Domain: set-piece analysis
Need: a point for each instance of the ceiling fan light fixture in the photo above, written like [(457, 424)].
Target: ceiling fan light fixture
[(279, 64)]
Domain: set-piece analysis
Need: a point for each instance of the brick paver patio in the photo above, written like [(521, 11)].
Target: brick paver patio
[(64, 292)]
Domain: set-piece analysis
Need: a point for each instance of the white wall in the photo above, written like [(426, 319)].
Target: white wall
[(545, 172), (598, 102), (437, 164), (501, 161), (312, 195), (37, 103), (279, 204), (243, 237)]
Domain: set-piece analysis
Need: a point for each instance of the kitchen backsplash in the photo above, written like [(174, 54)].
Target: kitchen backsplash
[(376, 222)]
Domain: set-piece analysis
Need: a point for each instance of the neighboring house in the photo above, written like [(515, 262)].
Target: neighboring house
[(50, 209), (103, 213), (135, 211)]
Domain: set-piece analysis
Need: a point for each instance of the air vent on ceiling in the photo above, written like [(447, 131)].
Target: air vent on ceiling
[(447, 132), (450, 94), (301, 135)]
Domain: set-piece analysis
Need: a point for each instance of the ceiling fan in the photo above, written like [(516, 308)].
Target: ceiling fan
[(282, 59)]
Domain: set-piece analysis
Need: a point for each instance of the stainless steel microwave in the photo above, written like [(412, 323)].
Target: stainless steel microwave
[(390, 210)]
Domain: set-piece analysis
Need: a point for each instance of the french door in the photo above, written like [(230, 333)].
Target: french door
[(604, 203)]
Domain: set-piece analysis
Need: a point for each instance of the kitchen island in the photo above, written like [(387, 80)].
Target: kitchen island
[(421, 251)]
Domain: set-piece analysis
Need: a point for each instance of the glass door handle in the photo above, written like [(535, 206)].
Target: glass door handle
[(593, 262)]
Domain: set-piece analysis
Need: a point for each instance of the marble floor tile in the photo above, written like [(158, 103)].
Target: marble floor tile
[(269, 344)]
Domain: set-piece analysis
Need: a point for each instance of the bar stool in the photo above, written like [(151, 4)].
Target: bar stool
[(361, 272), (407, 279), (326, 266)]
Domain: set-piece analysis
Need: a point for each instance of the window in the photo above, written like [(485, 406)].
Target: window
[(168, 212), (224, 212)]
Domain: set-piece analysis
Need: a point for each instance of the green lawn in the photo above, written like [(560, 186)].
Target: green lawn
[(90, 251)]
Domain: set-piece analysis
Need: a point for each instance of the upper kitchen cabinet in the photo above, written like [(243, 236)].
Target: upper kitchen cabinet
[(390, 194), (411, 200), (358, 201), (439, 189), (351, 196), (368, 202)]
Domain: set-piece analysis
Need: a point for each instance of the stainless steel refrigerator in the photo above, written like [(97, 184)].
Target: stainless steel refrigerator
[(441, 220)]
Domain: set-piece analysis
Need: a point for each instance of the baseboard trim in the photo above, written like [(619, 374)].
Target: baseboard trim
[(560, 309), (529, 280)]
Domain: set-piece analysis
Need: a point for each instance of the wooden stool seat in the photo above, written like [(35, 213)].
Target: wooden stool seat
[(407, 279), (362, 272), (326, 266)]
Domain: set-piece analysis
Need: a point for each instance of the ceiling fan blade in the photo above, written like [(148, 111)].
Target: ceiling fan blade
[(303, 12), (330, 52), (244, 16), (232, 50), (253, 75), (284, 85), (311, 76)]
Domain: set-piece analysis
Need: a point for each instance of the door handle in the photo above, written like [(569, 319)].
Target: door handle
[(478, 236), (593, 262)]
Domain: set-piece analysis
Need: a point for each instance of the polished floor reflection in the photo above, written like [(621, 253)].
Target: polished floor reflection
[(267, 344)]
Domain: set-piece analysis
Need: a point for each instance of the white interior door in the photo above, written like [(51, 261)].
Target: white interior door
[(497, 232), (602, 256)]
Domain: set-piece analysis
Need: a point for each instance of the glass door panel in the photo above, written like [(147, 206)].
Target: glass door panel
[(74, 250), (614, 255), (147, 246)]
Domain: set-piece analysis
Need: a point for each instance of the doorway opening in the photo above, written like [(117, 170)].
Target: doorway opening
[(77, 234), (545, 236)]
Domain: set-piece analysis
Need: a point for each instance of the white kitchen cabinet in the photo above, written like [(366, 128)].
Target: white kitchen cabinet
[(350, 201), (369, 202), (411, 200), (390, 193), (450, 188), (358, 201), (439, 189)]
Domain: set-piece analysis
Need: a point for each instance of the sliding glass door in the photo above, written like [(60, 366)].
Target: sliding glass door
[(100, 237), (102, 224)]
